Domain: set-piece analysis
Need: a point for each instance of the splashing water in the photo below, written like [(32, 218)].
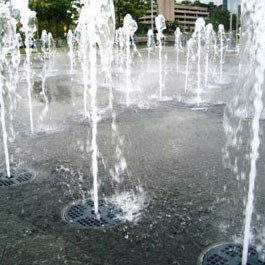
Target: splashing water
[(160, 23), (231, 30), (210, 43), (196, 51), (45, 51), (222, 47), (4, 132), (9, 46), (95, 26), (51, 46), (178, 44), (150, 38), (120, 164), (87, 21), (120, 41), (198, 36), (28, 20), (254, 11), (150, 44), (47, 48), (71, 44), (189, 44), (83, 40), (106, 50), (7, 31), (131, 205), (129, 27), (12, 84), (247, 103)]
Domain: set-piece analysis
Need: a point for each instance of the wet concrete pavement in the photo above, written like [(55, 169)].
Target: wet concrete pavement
[(174, 152)]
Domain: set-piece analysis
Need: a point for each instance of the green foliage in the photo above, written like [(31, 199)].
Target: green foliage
[(143, 29), (53, 15), (221, 16), (186, 2), (136, 8), (198, 3), (172, 26), (195, 3)]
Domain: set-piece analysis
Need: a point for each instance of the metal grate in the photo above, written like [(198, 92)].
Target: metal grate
[(18, 177), (81, 215), (228, 254)]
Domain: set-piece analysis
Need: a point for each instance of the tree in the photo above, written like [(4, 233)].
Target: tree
[(211, 7), (53, 14), (221, 16), (136, 8), (172, 26), (186, 2), (198, 3)]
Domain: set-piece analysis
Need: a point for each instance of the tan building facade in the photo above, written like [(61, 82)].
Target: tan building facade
[(166, 8), (186, 15)]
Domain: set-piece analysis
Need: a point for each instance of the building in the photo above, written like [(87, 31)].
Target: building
[(186, 15), (166, 7)]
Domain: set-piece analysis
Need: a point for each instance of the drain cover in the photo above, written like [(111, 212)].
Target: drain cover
[(228, 254), (18, 177), (81, 215)]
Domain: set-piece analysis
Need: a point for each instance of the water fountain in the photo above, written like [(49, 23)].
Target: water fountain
[(210, 43), (160, 22), (178, 44), (129, 27), (189, 44), (89, 21), (195, 53), (51, 45), (9, 62), (242, 124), (8, 44), (82, 38), (112, 196), (150, 44), (27, 19), (222, 47), (71, 45), (95, 37), (230, 46), (45, 47), (120, 44), (198, 35)]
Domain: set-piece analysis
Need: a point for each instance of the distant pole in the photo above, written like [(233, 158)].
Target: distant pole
[(231, 15), (119, 15), (237, 20), (231, 24), (152, 15)]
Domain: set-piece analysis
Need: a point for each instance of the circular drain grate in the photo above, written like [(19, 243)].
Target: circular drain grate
[(81, 215), (18, 177), (228, 254)]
